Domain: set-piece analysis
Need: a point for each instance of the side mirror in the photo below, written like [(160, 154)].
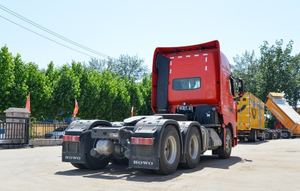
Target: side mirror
[(240, 87)]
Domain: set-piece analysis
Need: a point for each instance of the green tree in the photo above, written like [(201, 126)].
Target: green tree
[(108, 95), (98, 65), (136, 98), (6, 77), (65, 89), (125, 65), (274, 68), (247, 68), (51, 75), (90, 100), (36, 83), (292, 89), (19, 89), (121, 102), (145, 89)]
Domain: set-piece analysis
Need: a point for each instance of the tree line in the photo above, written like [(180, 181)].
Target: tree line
[(274, 70), (104, 92)]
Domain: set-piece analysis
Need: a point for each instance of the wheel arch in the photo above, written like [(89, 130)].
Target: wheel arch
[(160, 131), (154, 128), (80, 127)]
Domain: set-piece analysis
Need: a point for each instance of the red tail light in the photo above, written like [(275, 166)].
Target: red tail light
[(142, 141), (71, 138)]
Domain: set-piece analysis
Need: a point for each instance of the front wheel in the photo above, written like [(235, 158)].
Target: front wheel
[(193, 149), (225, 153), (253, 136), (169, 151)]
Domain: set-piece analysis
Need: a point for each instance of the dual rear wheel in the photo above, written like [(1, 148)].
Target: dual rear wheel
[(193, 150), (170, 150)]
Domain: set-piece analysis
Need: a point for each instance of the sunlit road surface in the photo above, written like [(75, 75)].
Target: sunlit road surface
[(269, 165)]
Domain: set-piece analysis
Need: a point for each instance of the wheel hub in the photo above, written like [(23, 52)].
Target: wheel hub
[(170, 150), (194, 147)]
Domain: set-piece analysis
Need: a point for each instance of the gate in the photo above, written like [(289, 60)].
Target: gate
[(14, 130)]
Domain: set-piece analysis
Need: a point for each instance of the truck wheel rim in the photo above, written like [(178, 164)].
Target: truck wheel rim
[(284, 134), (170, 150), (194, 147), (228, 144)]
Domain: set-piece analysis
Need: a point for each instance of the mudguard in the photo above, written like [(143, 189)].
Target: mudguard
[(80, 127), (75, 152), (147, 156)]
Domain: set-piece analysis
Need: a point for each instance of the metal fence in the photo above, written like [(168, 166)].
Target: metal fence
[(40, 130), (14, 130)]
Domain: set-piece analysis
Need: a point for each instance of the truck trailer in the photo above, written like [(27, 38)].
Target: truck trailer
[(251, 118), (285, 114), (194, 101)]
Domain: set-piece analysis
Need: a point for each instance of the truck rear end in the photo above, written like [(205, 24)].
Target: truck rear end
[(251, 119), (193, 100), (289, 118)]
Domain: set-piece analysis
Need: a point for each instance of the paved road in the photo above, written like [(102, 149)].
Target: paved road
[(270, 165)]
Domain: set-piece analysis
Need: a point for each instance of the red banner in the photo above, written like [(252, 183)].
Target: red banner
[(132, 111), (75, 109), (28, 103)]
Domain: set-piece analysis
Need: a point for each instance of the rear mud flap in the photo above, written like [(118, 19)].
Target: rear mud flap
[(143, 156), (72, 152), (73, 158), (144, 163)]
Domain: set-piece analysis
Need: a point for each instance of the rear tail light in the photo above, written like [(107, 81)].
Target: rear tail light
[(71, 138), (142, 141)]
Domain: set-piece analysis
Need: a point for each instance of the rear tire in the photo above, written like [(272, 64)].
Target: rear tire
[(267, 135), (253, 136), (272, 136), (169, 151), (92, 162), (225, 154), (263, 136), (193, 149)]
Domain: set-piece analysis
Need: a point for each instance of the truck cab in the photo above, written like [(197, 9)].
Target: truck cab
[(190, 79)]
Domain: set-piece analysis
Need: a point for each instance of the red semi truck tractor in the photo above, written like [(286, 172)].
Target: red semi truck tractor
[(193, 99)]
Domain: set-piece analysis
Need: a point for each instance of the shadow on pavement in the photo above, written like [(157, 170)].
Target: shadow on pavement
[(254, 143), (115, 171)]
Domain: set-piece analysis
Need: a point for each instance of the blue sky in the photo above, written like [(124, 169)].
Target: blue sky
[(137, 27)]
